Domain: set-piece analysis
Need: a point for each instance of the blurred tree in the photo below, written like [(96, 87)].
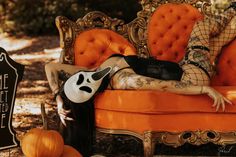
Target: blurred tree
[(38, 16)]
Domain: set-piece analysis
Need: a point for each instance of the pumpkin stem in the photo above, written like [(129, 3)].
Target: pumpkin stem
[(44, 116)]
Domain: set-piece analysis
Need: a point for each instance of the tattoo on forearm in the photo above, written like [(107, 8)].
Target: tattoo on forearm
[(182, 84), (149, 80), (192, 39), (122, 76), (62, 75), (54, 80), (139, 82), (134, 81)]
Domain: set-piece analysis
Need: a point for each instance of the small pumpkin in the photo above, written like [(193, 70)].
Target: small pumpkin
[(42, 143), (69, 151)]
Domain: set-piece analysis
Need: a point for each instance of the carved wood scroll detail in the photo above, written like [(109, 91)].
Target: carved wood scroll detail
[(176, 139), (195, 138)]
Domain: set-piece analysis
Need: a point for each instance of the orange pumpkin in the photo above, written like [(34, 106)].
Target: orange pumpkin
[(70, 152), (42, 143)]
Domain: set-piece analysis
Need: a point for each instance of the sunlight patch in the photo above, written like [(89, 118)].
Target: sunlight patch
[(29, 108), (13, 44)]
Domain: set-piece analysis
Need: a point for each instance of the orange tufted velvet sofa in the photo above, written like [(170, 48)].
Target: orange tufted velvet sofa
[(152, 116)]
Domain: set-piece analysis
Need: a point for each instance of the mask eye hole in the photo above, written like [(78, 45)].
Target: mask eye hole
[(88, 81), (86, 89), (80, 79)]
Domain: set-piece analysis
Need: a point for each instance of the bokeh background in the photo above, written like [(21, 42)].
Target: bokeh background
[(36, 17)]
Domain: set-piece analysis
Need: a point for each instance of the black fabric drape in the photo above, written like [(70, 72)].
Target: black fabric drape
[(80, 132)]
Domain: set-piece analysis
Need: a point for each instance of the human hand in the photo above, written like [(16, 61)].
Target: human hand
[(219, 100), (61, 111)]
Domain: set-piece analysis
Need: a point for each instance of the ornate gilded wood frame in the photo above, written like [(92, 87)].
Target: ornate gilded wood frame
[(135, 32)]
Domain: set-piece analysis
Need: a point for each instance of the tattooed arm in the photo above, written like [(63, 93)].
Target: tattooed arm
[(52, 70), (127, 79)]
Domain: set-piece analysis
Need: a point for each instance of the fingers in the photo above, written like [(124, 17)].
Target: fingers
[(62, 121), (65, 117), (227, 100), (221, 102), (63, 111)]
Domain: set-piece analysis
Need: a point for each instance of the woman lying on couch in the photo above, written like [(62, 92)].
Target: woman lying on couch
[(191, 76)]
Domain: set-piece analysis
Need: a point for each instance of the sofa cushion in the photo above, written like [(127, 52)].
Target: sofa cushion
[(226, 69), (173, 122), (169, 30), (140, 111), (156, 102), (93, 46)]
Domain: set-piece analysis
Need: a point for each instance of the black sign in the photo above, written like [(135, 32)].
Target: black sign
[(10, 75)]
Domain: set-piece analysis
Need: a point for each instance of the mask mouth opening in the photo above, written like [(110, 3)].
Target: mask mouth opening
[(86, 89)]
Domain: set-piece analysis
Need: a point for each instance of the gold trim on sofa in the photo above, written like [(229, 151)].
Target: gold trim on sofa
[(176, 139)]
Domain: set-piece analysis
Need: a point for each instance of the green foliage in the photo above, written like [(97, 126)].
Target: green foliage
[(34, 17)]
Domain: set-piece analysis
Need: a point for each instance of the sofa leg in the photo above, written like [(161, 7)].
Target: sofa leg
[(149, 144)]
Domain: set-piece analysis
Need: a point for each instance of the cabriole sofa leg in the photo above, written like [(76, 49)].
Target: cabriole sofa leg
[(148, 143)]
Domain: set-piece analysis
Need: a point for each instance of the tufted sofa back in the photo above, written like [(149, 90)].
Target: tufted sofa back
[(93, 46), (169, 29), (168, 32), (226, 69)]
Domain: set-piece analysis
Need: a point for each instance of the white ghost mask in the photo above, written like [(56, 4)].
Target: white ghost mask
[(81, 86)]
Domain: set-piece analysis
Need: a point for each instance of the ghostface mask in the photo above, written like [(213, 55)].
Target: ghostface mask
[(81, 86)]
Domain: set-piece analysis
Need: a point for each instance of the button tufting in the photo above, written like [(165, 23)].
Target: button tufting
[(110, 38), (159, 53), (102, 51), (170, 26), (122, 50), (93, 63), (176, 54), (91, 40), (175, 30), (91, 55)]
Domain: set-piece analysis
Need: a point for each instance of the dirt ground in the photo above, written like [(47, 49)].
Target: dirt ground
[(33, 90)]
